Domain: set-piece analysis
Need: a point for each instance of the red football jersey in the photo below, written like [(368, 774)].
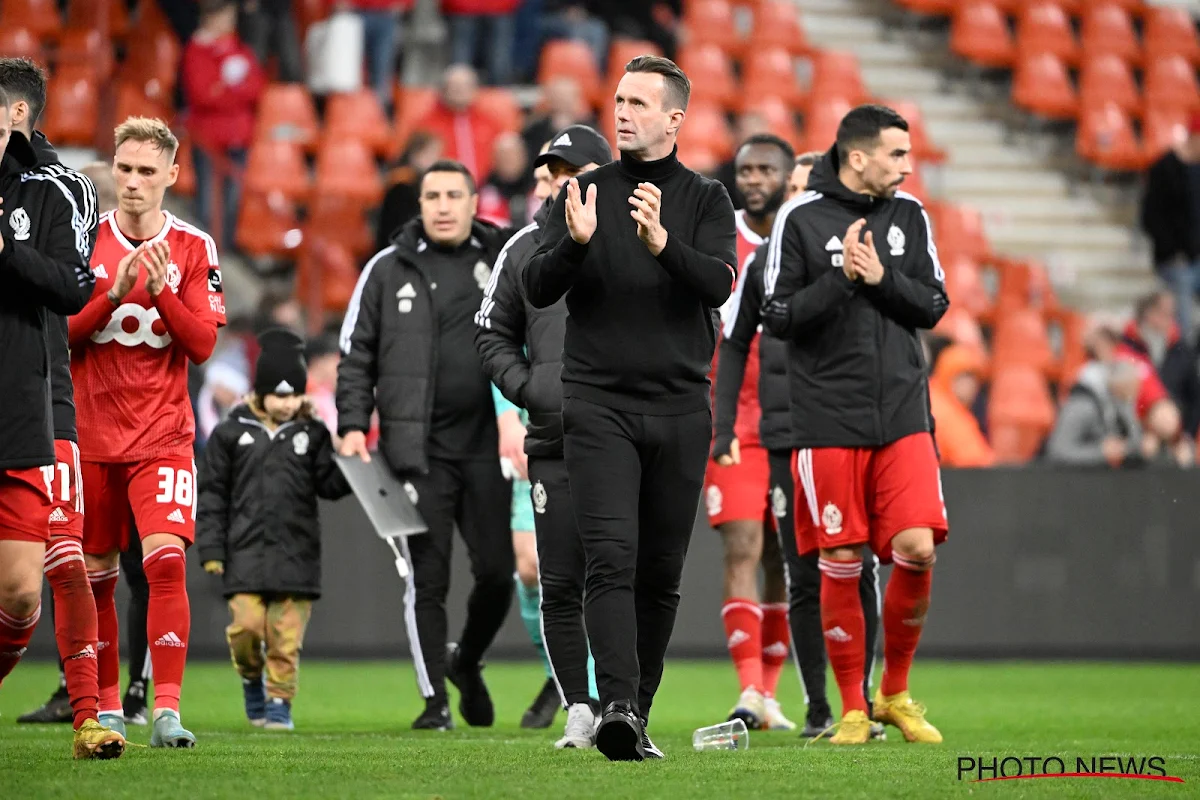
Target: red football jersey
[(749, 412), (131, 380)]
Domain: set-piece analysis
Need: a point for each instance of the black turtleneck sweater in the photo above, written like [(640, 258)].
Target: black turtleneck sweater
[(640, 334)]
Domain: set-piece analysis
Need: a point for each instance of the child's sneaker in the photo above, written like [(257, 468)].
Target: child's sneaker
[(256, 701), (279, 715)]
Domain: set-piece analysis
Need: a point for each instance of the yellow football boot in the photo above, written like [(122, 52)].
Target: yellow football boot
[(93, 740), (907, 715)]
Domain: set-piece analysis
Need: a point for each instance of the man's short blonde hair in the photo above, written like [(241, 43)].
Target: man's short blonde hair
[(145, 129)]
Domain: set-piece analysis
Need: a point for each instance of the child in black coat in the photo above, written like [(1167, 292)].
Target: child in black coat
[(258, 524)]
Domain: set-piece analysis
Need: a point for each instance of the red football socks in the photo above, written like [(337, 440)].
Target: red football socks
[(74, 625), (743, 632), (108, 657), (845, 629), (777, 642), (168, 622), (905, 603), (14, 636)]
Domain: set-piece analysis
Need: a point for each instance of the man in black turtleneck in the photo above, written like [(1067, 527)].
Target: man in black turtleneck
[(408, 344), (642, 248)]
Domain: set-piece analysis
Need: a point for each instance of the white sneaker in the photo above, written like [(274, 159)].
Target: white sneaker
[(751, 709), (580, 733), (775, 720)]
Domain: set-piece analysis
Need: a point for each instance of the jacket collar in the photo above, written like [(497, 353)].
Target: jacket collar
[(825, 179), (543, 213), (21, 156), (410, 239)]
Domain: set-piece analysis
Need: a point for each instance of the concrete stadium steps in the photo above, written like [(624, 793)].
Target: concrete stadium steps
[(1019, 183)]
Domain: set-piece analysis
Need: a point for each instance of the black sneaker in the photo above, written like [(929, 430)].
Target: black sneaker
[(619, 736), (474, 703), (544, 709), (435, 717), (134, 704), (651, 749), (56, 709), (816, 723)]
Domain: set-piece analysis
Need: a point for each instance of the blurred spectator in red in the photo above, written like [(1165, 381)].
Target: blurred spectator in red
[(486, 25), (1171, 218), (466, 132), (578, 19), (222, 81), (503, 199), (1097, 425), (953, 388), (1152, 338), (402, 201), (381, 21), (564, 106), (269, 27)]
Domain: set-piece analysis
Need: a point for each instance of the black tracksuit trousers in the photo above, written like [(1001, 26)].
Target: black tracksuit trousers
[(561, 571), (804, 596), (475, 495), (636, 481)]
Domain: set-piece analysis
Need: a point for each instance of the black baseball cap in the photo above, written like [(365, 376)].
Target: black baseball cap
[(579, 146)]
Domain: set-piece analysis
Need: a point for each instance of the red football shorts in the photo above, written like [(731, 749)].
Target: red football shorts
[(740, 491), (158, 495), (866, 495), (66, 491), (25, 505)]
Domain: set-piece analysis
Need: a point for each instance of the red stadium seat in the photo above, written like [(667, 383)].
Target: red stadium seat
[(1020, 412), (1170, 31), (1108, 79), (286, 112), (573, 59), (777, 24), (107, 17), (72, 107), (706, 125), (821, 122), (1108, 30), (346, 168), (1105, 137), (711, 22), (132, 102), (711, 73), (413, 104), (1169, 83), (275, 165), (979, 33), (20, 43), (837, 74), (87, 48), (1043, 27), (325, 277), (1162, 130), (185, 183), (358, 116), (770, 71), (267, 225), (498, 103), (964, 284), (340, 219), (779, 116), (923, 148), (1042, 87), (699, 156), (933, 8), (155, 62), (40, 17), (959, 231)]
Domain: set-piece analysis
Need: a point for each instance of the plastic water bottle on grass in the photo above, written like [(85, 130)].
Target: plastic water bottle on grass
[(730, 735)]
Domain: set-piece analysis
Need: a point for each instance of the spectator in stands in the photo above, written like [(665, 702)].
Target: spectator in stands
[(503, 200), (402, 202), (222, 81), (1097, 425), (1152, 338), (466, 131), (269, 27), (657, 22), (953, 389), (578, 19), (486, 25), (565, 106), (1171, 218), (382, 31)]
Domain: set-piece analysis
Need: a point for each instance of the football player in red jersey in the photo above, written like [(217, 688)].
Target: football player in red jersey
[(737, 483), (156, 306)]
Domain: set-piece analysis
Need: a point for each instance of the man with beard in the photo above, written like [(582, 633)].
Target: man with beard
[(737, 483)]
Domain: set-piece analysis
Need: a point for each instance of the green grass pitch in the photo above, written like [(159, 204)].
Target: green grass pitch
[(353, 739)]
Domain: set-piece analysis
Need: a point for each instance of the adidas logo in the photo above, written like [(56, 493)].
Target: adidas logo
[(86, 652), (100, 272), (169, 639), (284, 388), (737, 637), (838, 635), (58, 515), (776, 650), (247, 438), (834, 245), (562, 141), (406, 291), (175, 516)]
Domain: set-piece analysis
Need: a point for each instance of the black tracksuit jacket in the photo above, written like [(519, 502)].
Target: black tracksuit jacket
[(257, 511), (856, 373), (49, 227), (521, 346), (639, 332)]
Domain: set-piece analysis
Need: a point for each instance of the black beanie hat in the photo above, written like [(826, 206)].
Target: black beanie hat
[(281, 368)]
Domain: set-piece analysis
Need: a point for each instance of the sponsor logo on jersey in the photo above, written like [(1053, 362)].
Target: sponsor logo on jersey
[(144, 333)]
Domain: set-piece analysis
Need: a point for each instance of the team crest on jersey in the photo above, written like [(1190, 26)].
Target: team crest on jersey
[(539, 498), (779, 502), (483, 273), (174, 277), (895, 240), (19, 220), (713, 500), (300, 443), (831, 518)]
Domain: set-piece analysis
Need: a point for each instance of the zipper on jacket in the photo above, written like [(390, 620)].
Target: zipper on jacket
[(431, 388), (878, 376)]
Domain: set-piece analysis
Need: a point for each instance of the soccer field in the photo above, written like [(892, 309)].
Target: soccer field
[(353, 739)]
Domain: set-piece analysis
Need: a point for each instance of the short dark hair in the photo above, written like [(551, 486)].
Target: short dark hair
[(809, 159), (862, 127), (4, 101), (23, 79), (449, 165), (678, 87), (769, 140)]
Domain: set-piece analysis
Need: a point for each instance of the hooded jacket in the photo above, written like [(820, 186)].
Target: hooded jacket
[(960, 442), (521, 346), (49, 227), (389, 343), (856, 373)]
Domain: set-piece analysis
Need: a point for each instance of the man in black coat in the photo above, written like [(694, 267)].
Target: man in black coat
[(1170, 216), (408, 350)]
